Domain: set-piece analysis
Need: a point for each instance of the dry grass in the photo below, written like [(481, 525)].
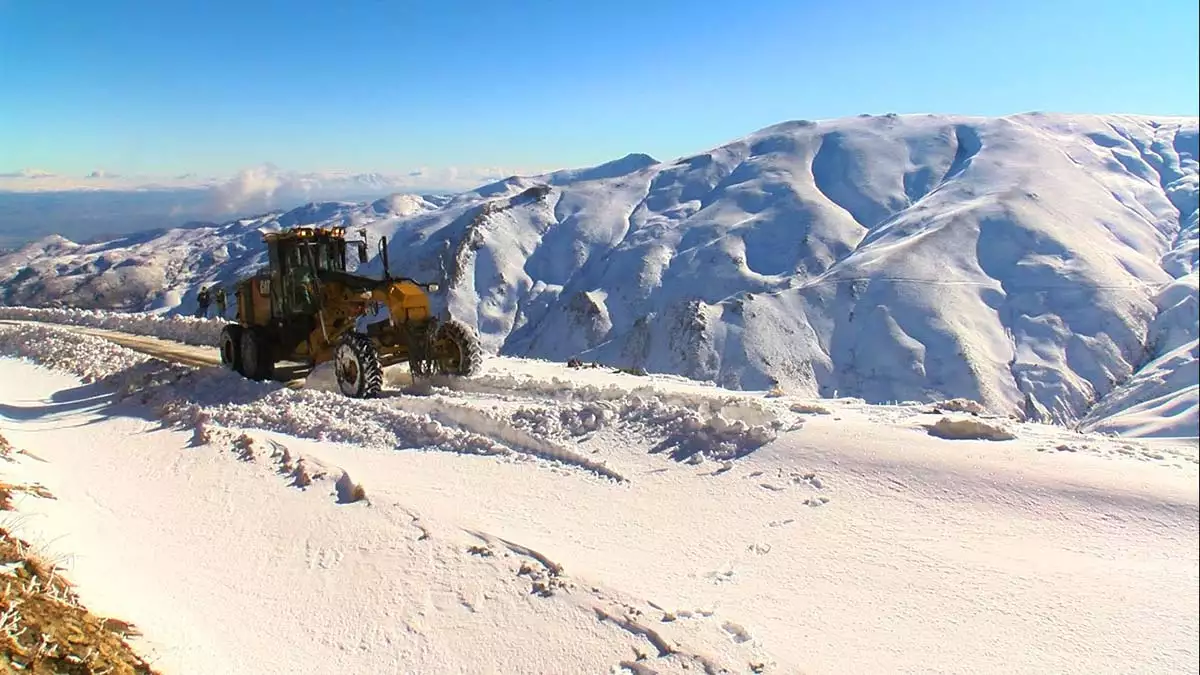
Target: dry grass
[(7, 490), (43, 627)]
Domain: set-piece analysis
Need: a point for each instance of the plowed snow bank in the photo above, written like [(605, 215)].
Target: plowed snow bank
[(193, 398), (188, 330), (693, 422)]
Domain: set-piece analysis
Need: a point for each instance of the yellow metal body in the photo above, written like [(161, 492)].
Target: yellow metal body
[(406, 305), (319, 308)]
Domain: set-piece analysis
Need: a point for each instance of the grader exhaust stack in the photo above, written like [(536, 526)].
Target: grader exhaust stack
[(383, 255)]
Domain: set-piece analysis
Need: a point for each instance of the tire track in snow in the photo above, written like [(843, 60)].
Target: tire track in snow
[(606, 605), (478, 421)]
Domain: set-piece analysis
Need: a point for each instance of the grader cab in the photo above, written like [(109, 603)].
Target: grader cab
[(306, 307)]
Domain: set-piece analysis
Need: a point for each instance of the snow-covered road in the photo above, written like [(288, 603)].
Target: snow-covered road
[(191, 355), (227, 569), (733, 529)]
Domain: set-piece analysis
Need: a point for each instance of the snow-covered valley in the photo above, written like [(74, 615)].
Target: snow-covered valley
[(656, 522)]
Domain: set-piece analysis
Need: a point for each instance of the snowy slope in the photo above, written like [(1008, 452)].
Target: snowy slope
[(1018, 261), (850, 540), (1163, 397)]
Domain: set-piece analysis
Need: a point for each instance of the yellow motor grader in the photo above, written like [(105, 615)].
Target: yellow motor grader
[(306, 307)]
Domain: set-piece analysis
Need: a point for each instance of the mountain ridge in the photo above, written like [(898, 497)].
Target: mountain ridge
[(1013, 260)]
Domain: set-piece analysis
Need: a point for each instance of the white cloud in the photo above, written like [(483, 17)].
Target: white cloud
[(249, 187), (33, 180), (266, 186), (27, 174)]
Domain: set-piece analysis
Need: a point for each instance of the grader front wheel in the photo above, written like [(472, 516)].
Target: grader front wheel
[(356, 366), (456, 350)]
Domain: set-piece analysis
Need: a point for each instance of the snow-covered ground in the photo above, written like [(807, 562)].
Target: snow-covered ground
[(1027, 262), (539, 518), (1162, 400)]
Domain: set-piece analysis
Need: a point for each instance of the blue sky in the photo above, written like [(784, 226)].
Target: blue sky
[(211, 86)]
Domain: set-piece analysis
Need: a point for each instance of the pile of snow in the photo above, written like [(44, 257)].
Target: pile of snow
[(690, 434), (808, 408), (969, 428), (1032, 263), (185, 329), (88, 358), (694, 422)]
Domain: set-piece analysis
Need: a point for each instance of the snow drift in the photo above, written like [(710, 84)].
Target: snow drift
[(692, 427), (1034, 263), (188, 330)]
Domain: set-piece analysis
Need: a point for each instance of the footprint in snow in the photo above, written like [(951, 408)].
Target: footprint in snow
[(736, 632), (810, 478), (725, 466), (721, 577), (687, 614), (321, 557)]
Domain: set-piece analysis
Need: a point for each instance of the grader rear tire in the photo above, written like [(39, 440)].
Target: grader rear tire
[(356, 365), (231, 347), (257, 360)]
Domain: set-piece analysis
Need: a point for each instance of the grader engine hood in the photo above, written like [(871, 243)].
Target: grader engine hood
[(405, 299), (407, 302)]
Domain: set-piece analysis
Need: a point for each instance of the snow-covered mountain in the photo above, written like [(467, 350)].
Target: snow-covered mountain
[(1042, 264)]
